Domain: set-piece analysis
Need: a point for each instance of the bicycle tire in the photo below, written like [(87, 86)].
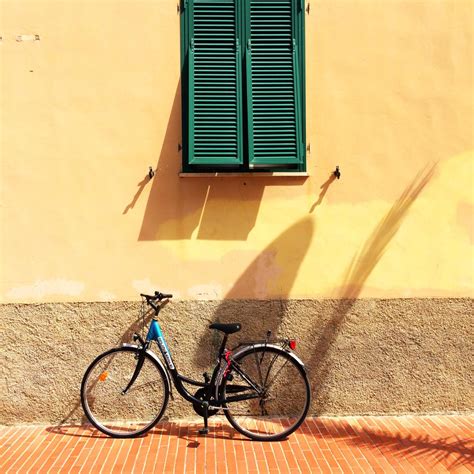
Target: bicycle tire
[(285, 404), (133, 413)]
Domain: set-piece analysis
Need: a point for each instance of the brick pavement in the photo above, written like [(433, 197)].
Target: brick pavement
[(345, 444)]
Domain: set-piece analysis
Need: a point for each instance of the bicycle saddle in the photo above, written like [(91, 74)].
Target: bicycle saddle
[(226, 328)]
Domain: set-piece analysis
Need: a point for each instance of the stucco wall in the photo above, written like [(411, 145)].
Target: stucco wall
[(364, 356), (87, 107), (96, 100)]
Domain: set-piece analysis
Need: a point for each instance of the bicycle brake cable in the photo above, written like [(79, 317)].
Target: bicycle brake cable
[(142, 316)]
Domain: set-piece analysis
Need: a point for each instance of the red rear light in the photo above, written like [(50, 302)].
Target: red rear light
[(292, 344)]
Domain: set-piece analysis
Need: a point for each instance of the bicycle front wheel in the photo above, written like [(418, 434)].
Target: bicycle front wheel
[(111, 407), (268, 395)]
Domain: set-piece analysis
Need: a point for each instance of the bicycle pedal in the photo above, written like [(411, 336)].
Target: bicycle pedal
[(203, 431)]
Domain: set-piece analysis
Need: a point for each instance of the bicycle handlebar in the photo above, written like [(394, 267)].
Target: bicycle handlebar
[(150, 299), (157, 296)]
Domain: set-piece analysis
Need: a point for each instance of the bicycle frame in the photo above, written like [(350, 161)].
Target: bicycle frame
[(155, 334)]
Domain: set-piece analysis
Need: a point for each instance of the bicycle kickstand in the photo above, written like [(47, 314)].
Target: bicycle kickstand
[(205, 430)]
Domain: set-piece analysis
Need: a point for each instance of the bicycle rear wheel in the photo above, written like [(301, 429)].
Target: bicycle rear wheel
[(119, 414), (284, 398)]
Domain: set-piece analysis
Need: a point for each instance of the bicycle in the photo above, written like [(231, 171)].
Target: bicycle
[(261, 386)]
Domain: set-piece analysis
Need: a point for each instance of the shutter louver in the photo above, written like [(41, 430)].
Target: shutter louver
[(215, 132), (273, 96)]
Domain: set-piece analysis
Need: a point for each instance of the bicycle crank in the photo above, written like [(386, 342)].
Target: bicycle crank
[(202, 394)]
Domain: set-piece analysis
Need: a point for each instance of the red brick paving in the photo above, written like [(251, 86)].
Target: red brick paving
[(388, 444)]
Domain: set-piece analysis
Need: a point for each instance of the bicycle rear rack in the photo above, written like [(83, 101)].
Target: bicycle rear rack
[(284, 342)]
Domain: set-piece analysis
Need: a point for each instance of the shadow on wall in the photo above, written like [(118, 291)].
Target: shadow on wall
[(141, 186), (324, 189), (209, 208), (357, 274), (373, 250), (277, 265)]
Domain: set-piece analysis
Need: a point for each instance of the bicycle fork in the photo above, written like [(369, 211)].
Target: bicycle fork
[(138, 368)]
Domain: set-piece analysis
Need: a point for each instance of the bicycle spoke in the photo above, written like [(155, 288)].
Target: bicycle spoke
[(276, 376), (109, 407), (284, 394), (257, 362)]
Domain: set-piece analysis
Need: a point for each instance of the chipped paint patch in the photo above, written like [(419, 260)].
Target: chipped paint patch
[(465, 217), (267, 272), (149, 287), (211, 291), (144, 286), (40, 289), (106, 296)]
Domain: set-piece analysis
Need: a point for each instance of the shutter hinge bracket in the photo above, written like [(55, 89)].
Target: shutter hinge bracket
[(308, 7), (237, 44), (249, 44), (294, 44), (192, 44)]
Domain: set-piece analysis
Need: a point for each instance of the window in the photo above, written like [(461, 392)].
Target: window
[(243, 85)]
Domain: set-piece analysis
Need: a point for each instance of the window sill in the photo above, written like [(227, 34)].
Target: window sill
[(276, 174)]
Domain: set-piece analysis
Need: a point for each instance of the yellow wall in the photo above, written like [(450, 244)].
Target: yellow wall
[(87, 108)]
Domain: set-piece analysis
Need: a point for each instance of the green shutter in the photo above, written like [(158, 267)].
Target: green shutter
[(214, 81), (273, 83)]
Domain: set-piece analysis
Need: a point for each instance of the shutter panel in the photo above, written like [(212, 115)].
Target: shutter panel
[(273, 85), (215, 132)]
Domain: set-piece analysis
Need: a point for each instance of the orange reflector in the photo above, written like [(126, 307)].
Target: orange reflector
[(103, 376), (292, 344)]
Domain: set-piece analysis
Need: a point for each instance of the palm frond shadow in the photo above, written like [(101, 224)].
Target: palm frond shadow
[(358, 272), (373, 250), (438, 450), (451, 451)]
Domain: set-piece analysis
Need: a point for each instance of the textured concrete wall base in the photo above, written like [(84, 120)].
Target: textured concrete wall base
[(363, 356)]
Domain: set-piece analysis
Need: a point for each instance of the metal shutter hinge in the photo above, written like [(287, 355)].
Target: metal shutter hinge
[(192, 43)]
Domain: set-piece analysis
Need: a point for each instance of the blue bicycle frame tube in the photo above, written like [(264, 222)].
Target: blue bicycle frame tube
[(155, 334)]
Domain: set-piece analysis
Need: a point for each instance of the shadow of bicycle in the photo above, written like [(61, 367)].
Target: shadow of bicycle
[(188, 431)]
